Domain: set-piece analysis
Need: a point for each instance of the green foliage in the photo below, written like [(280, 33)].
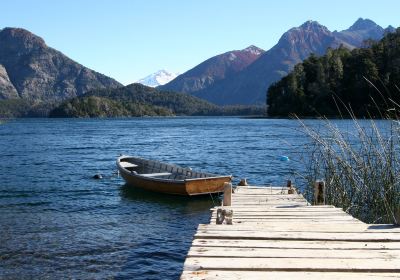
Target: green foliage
[(19, 108), (102, 107), (137, 100), (341, 78)]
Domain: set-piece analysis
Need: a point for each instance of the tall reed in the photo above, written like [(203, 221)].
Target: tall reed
[(360, 166)]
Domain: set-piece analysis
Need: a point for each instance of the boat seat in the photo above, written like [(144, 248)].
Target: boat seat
[(156, 174), (126, 164)]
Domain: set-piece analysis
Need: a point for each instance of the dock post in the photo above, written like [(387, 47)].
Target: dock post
[(227, 195), (289, 187), (319, 193), (243, 182)]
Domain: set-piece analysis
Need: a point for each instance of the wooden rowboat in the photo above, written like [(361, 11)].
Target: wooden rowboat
[(168, 178)]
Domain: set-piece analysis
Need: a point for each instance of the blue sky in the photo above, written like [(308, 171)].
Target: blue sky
[(129, 39)]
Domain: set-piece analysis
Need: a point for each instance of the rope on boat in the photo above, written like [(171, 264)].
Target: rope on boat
[(212, 199)]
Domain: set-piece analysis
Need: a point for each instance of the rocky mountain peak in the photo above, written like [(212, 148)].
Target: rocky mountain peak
[(303, 33), (310, 37), (312, 26), (37, 73), (21, 39), (390, 29), (253, 50), (363, 24)]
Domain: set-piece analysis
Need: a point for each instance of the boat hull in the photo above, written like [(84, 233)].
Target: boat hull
[(187, 187)]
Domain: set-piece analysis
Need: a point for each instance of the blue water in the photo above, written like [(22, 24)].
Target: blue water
[(57, 222)]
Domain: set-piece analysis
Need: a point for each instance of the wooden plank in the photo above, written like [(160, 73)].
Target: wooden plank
[(287, 214), (266, 195), (339, 227), (291, 253), (267, 215), (293, 264), (263, 275), (263, 235), (296, 244), (306, 209), (279, 207), (255, 188), (261, 191), (288, 207), (126, 164), (268, 221), (271, 203), (269, 197), (155, 174), (290, 218), (280, 236)]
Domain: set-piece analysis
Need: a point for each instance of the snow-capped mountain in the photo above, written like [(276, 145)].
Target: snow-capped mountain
[(158, 78)]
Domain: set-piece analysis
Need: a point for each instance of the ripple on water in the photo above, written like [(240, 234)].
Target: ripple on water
[(57, 222)]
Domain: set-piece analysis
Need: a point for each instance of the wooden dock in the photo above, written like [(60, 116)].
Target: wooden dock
[(276, 235)]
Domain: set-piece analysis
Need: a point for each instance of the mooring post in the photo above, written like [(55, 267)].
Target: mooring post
[(228, 216), (319, 193), (397, 215), (220, 216), (224, 215), (289, 187), (227, 195), (243, 182)]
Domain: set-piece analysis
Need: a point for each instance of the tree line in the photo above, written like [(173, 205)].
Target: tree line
[(137, 100), (343, 82)]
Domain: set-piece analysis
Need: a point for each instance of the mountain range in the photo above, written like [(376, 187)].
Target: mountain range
[(159, 78), (35, 78), (30, 70), (248, 84)]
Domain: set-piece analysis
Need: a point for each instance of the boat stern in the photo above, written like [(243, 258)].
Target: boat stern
[(206, 185)]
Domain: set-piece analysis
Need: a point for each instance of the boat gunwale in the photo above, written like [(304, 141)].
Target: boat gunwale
[(147, 178)]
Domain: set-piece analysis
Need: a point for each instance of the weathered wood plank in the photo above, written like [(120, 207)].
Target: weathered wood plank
[(267, 195), (257, 275), (290, 218), (265, 235), (293, 264), (276, 235), (307, 209), (316, 227), (296, 244), (288, 214), (291, 253), (272, 204), (290, 207)]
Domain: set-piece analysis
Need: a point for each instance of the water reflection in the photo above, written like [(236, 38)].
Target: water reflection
[(194, 203)]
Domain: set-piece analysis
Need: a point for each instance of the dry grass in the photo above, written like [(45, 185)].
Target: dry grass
[(360, 165)]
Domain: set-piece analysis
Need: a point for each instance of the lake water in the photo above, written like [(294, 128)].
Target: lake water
[(57, 222)]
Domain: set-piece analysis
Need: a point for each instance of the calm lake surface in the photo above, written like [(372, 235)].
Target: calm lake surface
[(56, 222)]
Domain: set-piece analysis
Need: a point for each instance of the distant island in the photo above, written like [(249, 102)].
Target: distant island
[(137, 100)]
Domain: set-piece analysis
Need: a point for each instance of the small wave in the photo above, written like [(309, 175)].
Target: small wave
[(27, 204)]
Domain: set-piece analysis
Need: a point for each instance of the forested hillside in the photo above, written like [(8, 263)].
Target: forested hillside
[(363, 79), (136, 100)]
